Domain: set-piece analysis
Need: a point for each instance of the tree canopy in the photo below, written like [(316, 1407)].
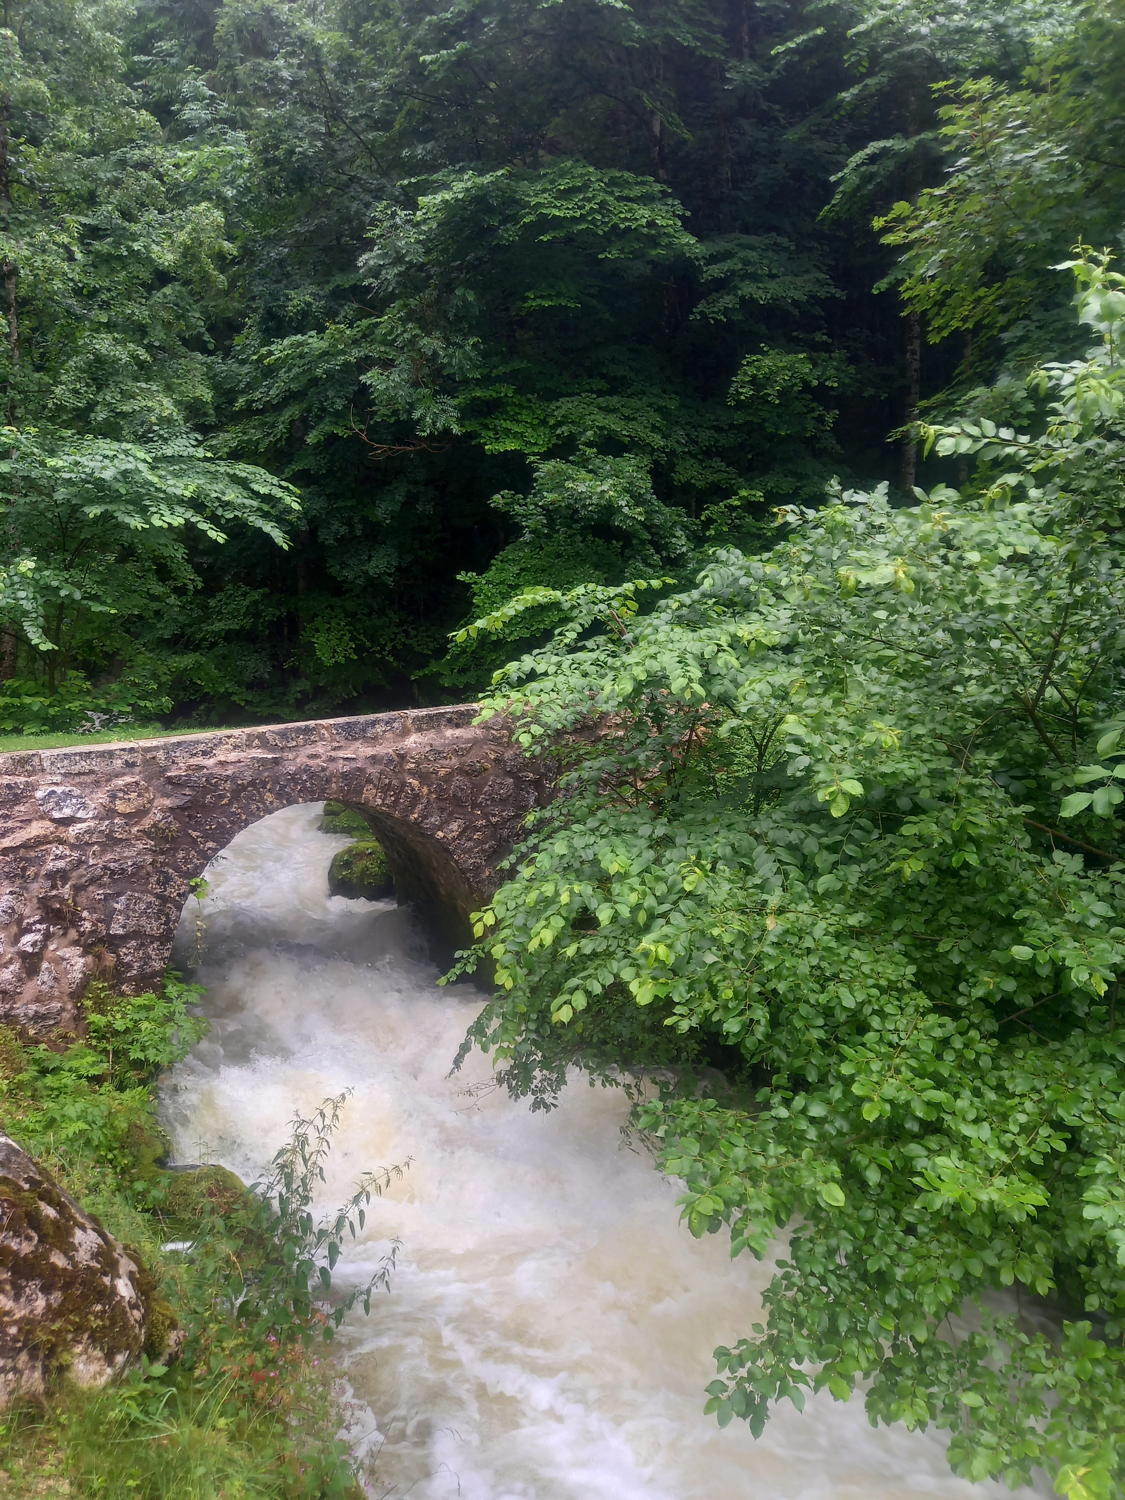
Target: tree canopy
[(412, 260), (850, 834)]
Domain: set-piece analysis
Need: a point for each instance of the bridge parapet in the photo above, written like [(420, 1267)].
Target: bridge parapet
[(181, 749)]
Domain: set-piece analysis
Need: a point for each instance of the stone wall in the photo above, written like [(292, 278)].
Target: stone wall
[(98, 845)]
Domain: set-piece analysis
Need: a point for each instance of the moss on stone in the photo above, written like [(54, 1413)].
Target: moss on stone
[(339, 818), (71, 1299), (361, 872), (188, 1194), (163, 1337), (147, 1145)]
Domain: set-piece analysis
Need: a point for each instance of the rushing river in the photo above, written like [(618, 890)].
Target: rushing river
[(549, 1328)]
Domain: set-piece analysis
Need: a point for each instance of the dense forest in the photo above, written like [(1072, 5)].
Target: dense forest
[(331, 327), (744, 376)]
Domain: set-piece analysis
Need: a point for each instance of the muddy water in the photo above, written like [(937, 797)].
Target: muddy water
[(550, 1325)]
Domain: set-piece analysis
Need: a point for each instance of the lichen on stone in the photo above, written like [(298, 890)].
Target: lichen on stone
[(72, 1300)]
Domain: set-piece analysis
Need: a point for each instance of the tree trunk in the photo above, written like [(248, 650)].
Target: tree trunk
[(9, 648), (908, 453), (656, 123), (9, 271), (9, 274)]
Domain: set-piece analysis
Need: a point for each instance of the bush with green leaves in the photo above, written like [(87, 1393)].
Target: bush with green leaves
[(271, 1263), (93, 1099), (591, 518), (849, 831)]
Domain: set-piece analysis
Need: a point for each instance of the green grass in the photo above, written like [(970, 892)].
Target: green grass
[(122, 733)]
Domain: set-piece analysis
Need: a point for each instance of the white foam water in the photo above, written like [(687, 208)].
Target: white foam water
[(549, 1328)]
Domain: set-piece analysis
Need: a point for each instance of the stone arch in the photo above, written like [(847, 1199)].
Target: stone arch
[(101, 845), (426, 875)]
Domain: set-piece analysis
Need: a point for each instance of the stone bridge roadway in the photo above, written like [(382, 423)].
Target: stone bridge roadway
[(98, 844)]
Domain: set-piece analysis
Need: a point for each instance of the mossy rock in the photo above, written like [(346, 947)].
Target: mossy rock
[(340, 819), (163, 1334), (188, 1194), (72, 1298), (147, 1145), (361, 872)]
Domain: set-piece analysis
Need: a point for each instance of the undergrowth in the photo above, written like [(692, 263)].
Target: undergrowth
[(230, 1400)]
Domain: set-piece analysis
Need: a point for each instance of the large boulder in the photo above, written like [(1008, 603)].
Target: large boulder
[(362, 871), (72, 1301)]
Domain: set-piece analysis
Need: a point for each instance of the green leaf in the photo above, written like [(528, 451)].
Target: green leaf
[(1076, 802)]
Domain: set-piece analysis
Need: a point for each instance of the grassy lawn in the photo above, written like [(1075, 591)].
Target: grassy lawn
[(123, 732)]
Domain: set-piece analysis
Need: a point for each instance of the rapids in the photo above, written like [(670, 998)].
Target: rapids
[(549, 1328)]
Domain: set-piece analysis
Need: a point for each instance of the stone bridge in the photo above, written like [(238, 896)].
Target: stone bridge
[(99, 844)]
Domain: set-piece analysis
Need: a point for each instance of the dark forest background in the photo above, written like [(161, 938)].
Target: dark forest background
[(509, 294)]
